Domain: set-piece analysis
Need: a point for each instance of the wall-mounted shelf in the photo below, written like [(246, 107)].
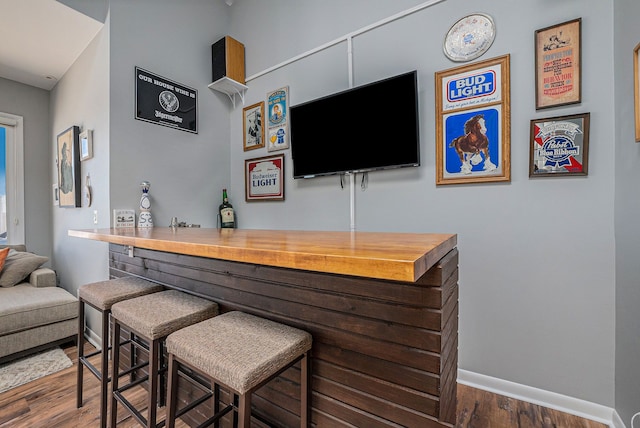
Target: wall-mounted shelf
[(229, 87)]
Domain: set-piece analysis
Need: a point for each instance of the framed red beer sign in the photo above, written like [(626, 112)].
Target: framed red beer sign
[(264, 178)]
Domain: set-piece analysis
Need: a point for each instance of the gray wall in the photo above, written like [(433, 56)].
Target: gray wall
[(187, 171), (627, 205), (33, 105), (81, 98), (536, 256), (96, 9)]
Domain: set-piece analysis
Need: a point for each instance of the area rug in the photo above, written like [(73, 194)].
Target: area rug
[(19, 372)]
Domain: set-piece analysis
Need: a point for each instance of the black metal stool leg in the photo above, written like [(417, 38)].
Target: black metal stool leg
[(216, 401), (80, 342), (244, 411), (104, 370), (304, 390), (154, 362), (115, 339), (162, 400), (172, 404)]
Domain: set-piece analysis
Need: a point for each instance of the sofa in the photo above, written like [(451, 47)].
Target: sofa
[(35, 313)]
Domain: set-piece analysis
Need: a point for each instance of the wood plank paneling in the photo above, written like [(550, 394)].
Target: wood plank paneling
[(384, 352)]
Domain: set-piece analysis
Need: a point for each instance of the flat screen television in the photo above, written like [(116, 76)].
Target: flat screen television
[(370, 127)]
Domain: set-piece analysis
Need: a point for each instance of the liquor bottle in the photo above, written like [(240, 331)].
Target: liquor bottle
[(145, 219), (227, 215)]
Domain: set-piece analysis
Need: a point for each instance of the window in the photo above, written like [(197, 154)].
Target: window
[(11, 180), (3, 185)]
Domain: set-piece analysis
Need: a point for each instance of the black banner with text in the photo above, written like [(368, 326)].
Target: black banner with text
[(165, 102)]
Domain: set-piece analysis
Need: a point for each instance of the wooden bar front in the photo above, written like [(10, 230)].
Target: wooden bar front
[(384, 350)]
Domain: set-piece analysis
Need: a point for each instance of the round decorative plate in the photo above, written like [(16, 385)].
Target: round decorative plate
[(469, 38)]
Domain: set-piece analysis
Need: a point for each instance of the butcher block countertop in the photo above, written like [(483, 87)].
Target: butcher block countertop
[(388, 256)]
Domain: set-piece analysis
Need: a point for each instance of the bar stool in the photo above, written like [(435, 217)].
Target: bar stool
[(152, 318), (101, 296), (241, 352)]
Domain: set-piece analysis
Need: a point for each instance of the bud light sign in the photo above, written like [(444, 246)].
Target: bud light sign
[(472, 123), (472, 89), (475, 86)]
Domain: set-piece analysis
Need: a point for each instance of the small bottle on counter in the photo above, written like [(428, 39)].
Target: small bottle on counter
[(226, 212)]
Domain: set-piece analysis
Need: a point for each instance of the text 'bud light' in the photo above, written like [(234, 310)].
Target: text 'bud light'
[(474, 86)]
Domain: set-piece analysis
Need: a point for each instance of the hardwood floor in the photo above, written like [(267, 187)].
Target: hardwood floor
[(51, 402), (482, 409)]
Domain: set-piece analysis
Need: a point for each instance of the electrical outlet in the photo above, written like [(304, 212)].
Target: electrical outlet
[(95, 216)]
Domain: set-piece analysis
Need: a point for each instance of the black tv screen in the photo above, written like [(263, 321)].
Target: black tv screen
[(369, 127)]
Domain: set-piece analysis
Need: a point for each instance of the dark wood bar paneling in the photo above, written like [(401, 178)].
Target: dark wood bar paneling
[(377, 360)]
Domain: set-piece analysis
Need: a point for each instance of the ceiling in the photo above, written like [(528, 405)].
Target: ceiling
[(41, 39)]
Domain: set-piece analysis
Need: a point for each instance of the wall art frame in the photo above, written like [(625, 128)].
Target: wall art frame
[(636, 89), (252, 126), (278, 119), (559, 146), (86, 144), (473, 123), (558, 64), (165, 102), (68, 155), (264, 178), (124, 218)]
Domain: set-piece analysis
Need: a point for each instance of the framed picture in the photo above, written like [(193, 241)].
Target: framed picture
[(278, 128), (86, 144), (164, 102), (558, 64), (55, 194), (69, 168), (124, 218), (559, 146), (473, 141), (252, 126), (264, 178), (636, 90)]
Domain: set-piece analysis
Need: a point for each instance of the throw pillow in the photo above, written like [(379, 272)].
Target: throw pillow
[(19, 265), (3, 256)]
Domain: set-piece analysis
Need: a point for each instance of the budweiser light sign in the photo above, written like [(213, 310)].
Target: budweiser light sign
[(165, 102), (480, 87), (264, 180)]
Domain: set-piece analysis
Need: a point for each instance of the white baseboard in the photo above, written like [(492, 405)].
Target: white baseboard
[(93, 338), (552, 400), (617, 421)]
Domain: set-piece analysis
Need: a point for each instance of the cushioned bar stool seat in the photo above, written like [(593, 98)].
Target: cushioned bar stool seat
[(241, 352), (101, 296), (152, 318)]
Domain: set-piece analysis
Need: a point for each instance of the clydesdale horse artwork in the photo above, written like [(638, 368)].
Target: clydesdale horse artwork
[(473, 145)]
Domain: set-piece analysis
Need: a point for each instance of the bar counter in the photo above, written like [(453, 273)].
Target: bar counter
[(382, 309)]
